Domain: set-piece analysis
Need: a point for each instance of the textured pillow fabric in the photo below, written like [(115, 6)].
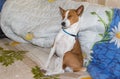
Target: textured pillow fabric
[(39, 17), (42, 19)]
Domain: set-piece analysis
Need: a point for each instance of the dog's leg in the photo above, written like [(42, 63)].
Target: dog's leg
[(58, 67), (50, 56), (59, 64)]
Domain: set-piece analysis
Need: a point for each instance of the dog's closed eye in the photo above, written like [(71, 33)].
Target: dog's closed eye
[(69, 16)]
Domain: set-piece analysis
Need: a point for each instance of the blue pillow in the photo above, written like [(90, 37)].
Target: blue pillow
[(1, 4), (106, 53)]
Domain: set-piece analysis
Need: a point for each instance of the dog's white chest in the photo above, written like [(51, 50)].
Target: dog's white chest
[(64, 43)]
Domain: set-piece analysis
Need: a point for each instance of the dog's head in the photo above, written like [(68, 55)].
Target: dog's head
[(70, 16)]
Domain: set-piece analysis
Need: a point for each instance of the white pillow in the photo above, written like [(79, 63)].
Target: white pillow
[(39, 17), (42, 18)]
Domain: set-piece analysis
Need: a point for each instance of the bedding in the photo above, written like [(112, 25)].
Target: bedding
[(106, 52), (41, 20), (94, 25), (35, 56)]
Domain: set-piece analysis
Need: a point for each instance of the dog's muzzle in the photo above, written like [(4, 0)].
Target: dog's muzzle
[(63, 25)]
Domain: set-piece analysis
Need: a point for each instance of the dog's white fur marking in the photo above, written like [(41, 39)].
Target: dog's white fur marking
[(62, 44), (66, 20)]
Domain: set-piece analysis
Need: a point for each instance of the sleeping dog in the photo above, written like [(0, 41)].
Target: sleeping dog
[(66, 45)]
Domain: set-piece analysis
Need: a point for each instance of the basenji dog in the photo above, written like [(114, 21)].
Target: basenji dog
[(66, 45)]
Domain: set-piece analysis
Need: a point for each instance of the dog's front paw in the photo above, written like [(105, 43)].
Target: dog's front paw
[(47, 64), (47, 74)]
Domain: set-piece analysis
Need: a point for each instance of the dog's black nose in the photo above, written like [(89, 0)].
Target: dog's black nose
[(63, 23)]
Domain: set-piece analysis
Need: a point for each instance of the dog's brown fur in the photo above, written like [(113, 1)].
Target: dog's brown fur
[(74, 58)]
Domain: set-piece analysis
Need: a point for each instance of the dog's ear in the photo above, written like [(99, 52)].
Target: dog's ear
[(79, 10), (61, 10)]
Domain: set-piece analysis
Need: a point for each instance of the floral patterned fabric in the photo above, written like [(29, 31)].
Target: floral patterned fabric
[(106, 52)]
